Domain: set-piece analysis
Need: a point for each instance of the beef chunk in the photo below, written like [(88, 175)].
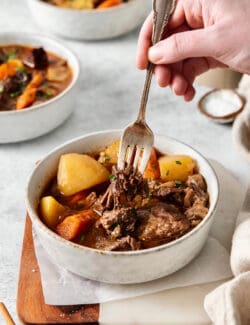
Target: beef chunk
[(128, 183), (119, 223), (38, 59), (125, 244), (189, 197), (125, 186), (17, 82), (169, 192), (162, 222), (196, 181), (90, 200), (196, 199), (198, 210)]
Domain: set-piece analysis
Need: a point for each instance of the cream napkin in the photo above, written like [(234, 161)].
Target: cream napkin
[(229, 304)]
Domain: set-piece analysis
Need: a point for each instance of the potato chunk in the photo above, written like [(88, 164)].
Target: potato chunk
[(110, 154), (176, 167), (77, 172), (51, 210)]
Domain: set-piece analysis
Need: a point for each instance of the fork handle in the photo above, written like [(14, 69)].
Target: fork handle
[(162, 10)]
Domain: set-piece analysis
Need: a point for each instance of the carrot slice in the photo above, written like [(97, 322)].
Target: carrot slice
[(152, 170), (3, 71), (29, 95), (36, 81), (109, 3), (73, 226), (9, 68), (76, 198)]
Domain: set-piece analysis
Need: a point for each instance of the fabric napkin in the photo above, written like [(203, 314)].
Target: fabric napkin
[(229, 304), (61, 287)]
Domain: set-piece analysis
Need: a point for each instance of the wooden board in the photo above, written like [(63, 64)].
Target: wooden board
[(31, 308)]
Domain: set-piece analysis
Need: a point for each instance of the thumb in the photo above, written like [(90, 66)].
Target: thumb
[(180, 46)]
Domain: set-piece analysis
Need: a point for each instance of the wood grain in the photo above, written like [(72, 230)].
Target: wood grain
[(6, 315), (31, 308)]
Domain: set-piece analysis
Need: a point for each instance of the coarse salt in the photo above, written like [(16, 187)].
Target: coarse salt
[(221, 103)]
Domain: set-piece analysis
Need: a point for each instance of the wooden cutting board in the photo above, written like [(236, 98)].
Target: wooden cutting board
[(31, 308)]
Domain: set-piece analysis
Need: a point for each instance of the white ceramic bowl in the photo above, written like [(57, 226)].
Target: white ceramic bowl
[(119, 267), (39, 119), (222, 105), (90, 24)]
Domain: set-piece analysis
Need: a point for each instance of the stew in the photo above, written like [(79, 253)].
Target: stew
[(30, 76), (86, 4), (94, 204)]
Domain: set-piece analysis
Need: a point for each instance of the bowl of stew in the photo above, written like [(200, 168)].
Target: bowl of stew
[(119, 226), (37, 83), (89, 19)]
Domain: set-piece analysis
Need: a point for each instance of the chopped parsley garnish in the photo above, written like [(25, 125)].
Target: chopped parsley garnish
[(106, 158), (1, 89), (12, 55), (178, 162), (178, 183), (167, 173), (112, 177), (15, 94), (47, 94), (150, 196), (20, 69), (82, 238)]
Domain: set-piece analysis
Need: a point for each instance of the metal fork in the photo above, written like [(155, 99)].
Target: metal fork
[(138, 139)]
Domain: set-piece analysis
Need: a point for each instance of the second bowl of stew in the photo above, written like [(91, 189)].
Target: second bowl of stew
[(37, 82), (119, 226), (89, 19)]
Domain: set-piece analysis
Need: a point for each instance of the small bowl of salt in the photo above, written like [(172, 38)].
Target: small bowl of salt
[(222, 105)]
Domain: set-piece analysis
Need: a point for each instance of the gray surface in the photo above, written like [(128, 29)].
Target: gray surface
[(108, 98)]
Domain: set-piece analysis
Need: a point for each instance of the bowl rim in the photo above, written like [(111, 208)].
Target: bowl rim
[(65, 49), (121, 6), (49, 233), (222, 117)]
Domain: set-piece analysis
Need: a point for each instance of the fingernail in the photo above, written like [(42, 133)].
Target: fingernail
[(154, 54)]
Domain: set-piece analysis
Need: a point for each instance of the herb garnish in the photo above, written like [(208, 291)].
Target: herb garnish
[(15, 94), (167, 173), (178, 162), (47, 94), (178, 183), (1, 89), (20, 69), (112, 177), (82, 238), (12, 55), (106, 158)]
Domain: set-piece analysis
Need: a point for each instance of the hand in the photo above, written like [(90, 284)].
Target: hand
[(201, 35)]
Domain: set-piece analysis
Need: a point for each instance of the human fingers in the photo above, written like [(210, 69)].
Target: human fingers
[(180, 46), (179, 84), (178, 16), (190, 93), (144, 43), (182, 82), (163, 75), (181, 87), (196, 66)]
